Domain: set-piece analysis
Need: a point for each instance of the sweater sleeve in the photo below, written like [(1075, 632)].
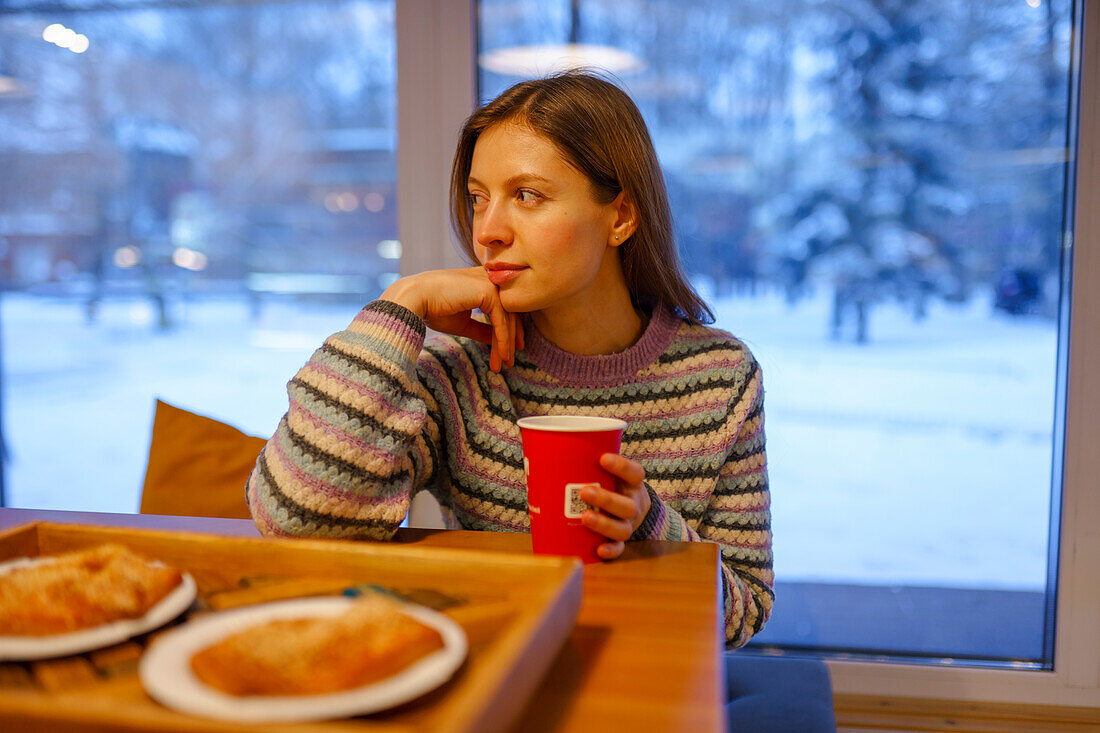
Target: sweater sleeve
[(360, 437), (737, 518)]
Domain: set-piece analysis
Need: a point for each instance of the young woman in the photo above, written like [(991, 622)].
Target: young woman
[(556, 194)]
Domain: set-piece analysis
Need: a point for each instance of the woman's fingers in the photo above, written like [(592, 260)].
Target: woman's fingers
[(490, 306), (631, 472), (502, 335), (447, 299), (511, 319), (610, 550), (614, 504), (465, 326), (511, 338), (612, 528), (479, 331), (631, 502)]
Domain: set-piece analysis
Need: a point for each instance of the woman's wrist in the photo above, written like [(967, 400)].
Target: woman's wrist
[(652, 516), (403, 292)]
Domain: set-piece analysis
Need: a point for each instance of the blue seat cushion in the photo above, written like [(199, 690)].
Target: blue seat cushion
[(778, 695)]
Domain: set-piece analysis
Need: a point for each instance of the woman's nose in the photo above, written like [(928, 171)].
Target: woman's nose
[(492, 227)]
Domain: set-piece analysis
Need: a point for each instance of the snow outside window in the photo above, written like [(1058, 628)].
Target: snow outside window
[(192, 198), (871, 196)]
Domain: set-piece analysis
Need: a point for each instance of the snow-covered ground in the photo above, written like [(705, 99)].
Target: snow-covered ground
[(923, 457)]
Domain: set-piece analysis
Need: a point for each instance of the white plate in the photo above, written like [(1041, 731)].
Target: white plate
[(25, 648), (165, 668)]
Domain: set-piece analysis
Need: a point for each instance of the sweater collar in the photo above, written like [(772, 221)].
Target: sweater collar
[(601, 370)]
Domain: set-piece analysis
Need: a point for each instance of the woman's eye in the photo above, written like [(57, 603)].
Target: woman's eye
[(528, 197), (475, 198)]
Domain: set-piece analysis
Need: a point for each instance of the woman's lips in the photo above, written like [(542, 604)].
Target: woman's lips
[(501, 275)]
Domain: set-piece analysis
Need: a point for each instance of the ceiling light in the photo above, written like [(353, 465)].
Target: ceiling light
[(52, 32), (547, 59)]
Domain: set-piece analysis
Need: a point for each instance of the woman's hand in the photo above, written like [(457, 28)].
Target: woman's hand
[(446, 300), (621, 511)]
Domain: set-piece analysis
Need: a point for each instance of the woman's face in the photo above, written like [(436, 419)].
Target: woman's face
[(538, 229)]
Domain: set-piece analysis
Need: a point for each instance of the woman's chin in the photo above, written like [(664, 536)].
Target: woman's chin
[(516, 302)]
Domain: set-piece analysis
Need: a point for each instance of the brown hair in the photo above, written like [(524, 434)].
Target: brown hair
[(601, 133)]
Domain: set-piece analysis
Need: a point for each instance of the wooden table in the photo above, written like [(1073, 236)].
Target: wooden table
[(646, 650)]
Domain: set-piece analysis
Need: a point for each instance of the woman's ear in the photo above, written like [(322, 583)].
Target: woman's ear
[(626, 219)]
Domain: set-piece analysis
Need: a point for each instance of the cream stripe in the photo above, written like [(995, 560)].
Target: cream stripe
[(395, 339), (403, 372), (365, 403)]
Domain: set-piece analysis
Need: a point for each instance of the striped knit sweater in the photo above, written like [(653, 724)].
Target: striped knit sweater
[(378, 414)]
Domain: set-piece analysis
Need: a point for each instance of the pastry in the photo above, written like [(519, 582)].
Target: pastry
[(372, 640), (80, 590)]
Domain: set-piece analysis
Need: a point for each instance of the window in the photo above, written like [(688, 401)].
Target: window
[(194, 196), (872, 196), (436, 55)]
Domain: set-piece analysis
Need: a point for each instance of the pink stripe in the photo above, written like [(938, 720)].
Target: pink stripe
[(462, 458), (328, 490), (482, 417), (497, 522), (752, 469), (358, 388), (456, 427), (480, 406), (706, 366), (716, 405), (690, 452), (750, 436), (750, 509), (260, 517), (689, 496), (747, 546), (686, 496), (342, 436), (388, 322), (660, 376)]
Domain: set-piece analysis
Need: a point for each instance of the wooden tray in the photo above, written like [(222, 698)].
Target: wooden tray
[(517, 611)]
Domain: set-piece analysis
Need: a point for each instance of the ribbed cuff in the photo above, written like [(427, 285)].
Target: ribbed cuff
[(650, 528), (400, 312), (397, 332)]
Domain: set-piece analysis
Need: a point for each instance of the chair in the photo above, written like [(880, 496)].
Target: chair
[(778, 695), (198, 466)]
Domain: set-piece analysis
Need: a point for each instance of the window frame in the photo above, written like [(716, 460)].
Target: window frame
[(436, 58), (436, 91), (1075, 679)]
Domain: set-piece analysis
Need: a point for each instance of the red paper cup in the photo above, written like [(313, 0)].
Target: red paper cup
[(561, 455)]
